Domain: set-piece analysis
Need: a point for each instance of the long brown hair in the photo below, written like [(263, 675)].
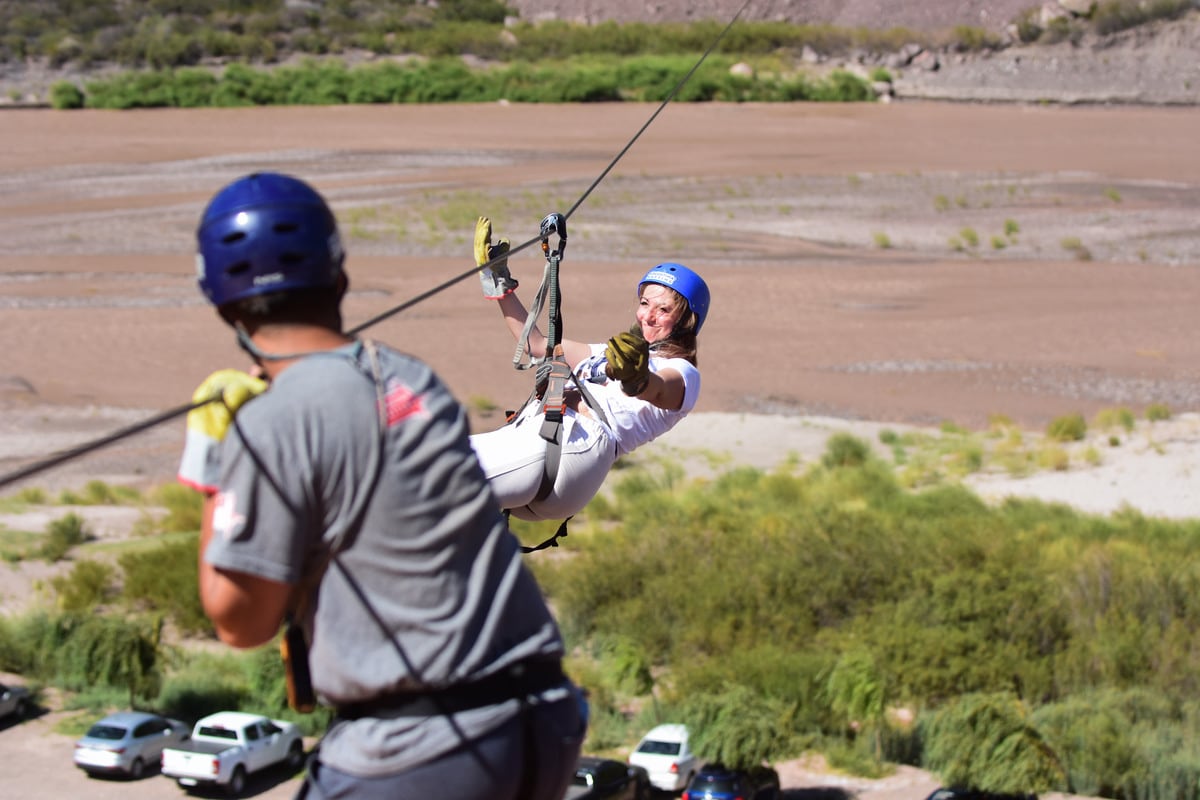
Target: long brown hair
[(682, 341)]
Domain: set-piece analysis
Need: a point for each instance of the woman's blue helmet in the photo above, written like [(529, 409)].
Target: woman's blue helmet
[(687, 283), (266, 232)]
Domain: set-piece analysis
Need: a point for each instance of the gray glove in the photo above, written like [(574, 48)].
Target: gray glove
[(496, 280)]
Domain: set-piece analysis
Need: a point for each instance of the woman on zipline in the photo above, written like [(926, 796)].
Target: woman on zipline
[(643, 382)]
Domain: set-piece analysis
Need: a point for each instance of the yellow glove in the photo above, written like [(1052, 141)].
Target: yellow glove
[(495, 279), (628, 357), (207, 425)]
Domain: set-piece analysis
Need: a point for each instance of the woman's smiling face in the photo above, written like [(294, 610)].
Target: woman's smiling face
[(659, 310)]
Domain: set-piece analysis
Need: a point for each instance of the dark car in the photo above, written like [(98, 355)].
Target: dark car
[(718, 782), (15, 700), (976, 794), (605, 779)]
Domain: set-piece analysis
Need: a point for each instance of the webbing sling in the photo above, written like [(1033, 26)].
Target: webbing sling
[(553, 371), (554, 407)]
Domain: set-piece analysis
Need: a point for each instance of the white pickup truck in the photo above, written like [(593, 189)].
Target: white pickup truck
[(228, 746)]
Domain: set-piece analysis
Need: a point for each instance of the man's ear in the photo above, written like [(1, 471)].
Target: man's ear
[(343, 285)]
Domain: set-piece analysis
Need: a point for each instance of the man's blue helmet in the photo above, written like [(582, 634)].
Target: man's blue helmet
[(687, 283), (263, 233)]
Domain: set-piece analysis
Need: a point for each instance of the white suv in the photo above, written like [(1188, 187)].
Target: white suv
[(665, 755)]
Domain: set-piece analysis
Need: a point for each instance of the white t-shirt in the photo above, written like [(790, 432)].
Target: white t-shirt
[(634, 422)]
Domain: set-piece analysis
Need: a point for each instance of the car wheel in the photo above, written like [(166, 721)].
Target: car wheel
[(295, 756), (137, 770), (23, 709), (237, 782)]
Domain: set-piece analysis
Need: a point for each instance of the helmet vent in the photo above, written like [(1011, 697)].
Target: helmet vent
[(284, 227), (233, 238), (238, 268), (291, 258)]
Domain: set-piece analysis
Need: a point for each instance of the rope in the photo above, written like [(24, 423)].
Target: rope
[(172, 413), (84, 449)]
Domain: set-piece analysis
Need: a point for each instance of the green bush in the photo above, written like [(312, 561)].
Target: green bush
[(1067, 428), (66, 95), (163, 580), (1118, 15), (184, 508), (737, 726), (1157, 412), (580, 79), (989, 742), (1028, 27), (1105, 739), (99, 493), (87, 585), (845, 450), (472, 10), (61, 535), (1109, 418), (78, 651)]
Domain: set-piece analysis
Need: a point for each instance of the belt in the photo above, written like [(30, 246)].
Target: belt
[(520, 680)]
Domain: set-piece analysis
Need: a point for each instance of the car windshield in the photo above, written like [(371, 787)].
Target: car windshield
[(723, 784), (654, 748), (110, 732), (218, 733)]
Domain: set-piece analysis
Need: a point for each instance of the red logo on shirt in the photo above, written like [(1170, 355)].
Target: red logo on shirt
[(402, 403)]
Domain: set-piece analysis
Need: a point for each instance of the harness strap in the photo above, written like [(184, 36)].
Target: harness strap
[(554, 407), (552, 541)]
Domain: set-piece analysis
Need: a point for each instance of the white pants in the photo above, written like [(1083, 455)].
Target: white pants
[(513, 459)]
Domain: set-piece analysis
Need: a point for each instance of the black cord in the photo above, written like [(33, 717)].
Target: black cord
[(84, 449)]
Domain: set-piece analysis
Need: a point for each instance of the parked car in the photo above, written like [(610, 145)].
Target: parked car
[(15, 700), (717, 782), (664, 753), (227, 747), (605, 779), (957, 793), (127, 743)]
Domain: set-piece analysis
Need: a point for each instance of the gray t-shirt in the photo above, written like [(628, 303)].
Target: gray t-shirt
[(433, 557)]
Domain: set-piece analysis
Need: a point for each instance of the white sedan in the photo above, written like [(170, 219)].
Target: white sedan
[(127, 743)]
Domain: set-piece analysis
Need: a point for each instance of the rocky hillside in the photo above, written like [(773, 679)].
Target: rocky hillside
[(1155, 64), (1072, 58), (921, 15)]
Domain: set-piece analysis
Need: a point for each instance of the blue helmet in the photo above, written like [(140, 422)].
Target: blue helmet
[(687, 283), (263, 233)]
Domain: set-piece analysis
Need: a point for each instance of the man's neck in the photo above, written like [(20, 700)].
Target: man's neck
[(301, 339)]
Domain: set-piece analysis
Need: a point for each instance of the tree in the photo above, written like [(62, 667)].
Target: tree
[(988, 742), (857, 691), (738, 727), (110, 651)]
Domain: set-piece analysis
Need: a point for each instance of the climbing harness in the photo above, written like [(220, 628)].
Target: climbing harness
[(552, 372), (172, 413)]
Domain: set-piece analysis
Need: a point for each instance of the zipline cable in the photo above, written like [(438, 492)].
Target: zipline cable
[(670, 96), (172, 413), (84, 449)]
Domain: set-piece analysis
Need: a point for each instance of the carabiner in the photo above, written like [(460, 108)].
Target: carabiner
[(557, 224)]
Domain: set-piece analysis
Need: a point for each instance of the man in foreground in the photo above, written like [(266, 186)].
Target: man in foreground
[(345, 497)]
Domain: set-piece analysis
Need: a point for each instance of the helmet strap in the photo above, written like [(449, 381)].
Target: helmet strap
[(260, 355)]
